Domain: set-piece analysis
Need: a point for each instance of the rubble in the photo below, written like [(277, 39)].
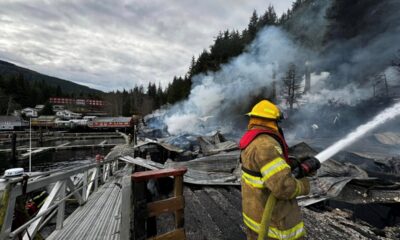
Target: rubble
[(352, 179), (215, 213), (215, 144), (338, 224), (388, 138)]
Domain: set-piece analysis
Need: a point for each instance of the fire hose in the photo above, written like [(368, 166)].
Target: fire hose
[(266, 217), (300, 168)]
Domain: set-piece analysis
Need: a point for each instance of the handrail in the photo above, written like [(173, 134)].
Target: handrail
[(74, 169), (14, 188), (58, 202)]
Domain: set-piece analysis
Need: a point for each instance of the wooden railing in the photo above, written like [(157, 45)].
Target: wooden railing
[(144, 210), (64, 188)]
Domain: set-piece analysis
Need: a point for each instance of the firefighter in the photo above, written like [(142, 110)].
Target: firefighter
[(267, 179)]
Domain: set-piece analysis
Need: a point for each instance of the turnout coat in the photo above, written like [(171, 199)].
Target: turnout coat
[(265, 171)]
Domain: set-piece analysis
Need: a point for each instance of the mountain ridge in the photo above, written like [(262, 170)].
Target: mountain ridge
[(12, 70)]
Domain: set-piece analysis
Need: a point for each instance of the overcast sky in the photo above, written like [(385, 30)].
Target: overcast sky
[(115, 44)]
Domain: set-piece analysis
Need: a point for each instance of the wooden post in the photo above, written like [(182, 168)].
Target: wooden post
[(178, 191), (14, 150), (96, 179), (7, 199), (40, 137), (61, 207), (84, 188), (134, 137), (126, 230), (139, 212)]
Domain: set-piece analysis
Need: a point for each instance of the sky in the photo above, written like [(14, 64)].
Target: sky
[(115, 44)]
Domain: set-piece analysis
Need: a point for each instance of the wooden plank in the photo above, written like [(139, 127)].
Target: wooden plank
[(139, 212), (72, 188), (155, 174), (178, 191), (61, 207), (178, 234), (199, 225), (126, 206), (33, 152), (219, 217), (91, 182), (165, 206), (143, 162), (62, 145)]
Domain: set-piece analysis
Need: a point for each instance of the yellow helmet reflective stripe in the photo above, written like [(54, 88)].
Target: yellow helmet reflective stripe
[(265, 109)]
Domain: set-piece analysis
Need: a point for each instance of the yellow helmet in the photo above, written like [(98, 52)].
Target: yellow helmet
[(265, 109)]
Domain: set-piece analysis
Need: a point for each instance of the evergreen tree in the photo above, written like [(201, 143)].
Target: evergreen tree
[(252, 27), (59, 92), (47, 109), (269, 18), (292, 86), (126, 104)]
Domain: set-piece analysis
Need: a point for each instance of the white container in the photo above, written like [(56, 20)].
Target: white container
[(14, 172)]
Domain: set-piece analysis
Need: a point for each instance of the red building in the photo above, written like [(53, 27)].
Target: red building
[(79, 102)]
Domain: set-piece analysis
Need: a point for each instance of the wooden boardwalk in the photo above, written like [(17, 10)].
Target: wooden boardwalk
[(99, 218)]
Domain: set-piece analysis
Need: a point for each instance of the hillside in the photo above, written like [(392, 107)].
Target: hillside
[(9, 70), (21, 87)]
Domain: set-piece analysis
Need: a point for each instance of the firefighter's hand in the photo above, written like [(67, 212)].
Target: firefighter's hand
[(307, 167), (295, 161)]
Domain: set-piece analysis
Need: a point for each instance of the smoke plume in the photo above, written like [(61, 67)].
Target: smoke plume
[(217, 99)]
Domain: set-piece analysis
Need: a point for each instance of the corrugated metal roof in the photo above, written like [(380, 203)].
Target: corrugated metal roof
[(10, 119), (113, 119)]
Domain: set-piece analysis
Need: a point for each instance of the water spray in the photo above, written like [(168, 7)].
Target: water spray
[(312, 164), (381, 118)]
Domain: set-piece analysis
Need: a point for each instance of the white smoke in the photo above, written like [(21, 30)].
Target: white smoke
[(216, 94), (349, 95)]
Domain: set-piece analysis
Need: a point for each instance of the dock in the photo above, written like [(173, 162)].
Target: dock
[(99, 218)]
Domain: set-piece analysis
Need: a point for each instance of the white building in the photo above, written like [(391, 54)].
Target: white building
[(39, 107), (79, 122), (66, 114), (57, 108), (30, 112), (12, 123)]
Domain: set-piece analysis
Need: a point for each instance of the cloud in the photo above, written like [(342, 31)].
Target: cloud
[(116, 44)]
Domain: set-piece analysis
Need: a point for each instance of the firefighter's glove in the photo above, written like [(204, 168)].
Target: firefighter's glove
[(307, 167), (294, 162)]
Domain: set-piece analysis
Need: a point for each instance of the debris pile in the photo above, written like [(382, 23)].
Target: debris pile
[(352, 179)]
